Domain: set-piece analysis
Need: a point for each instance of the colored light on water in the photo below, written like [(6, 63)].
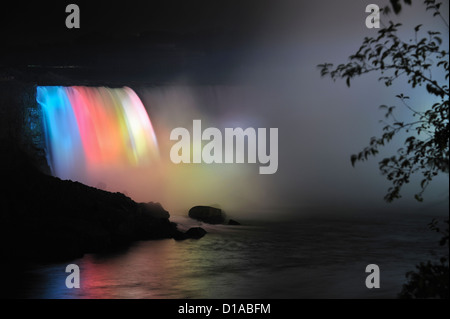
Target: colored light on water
[(88, 126)]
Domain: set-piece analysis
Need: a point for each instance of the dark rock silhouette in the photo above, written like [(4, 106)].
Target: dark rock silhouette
[(194, 233), (48, 219), (154, 210), (233, 222), (207, 214)]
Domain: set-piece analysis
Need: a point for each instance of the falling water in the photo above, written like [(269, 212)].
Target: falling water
[(88, 129)]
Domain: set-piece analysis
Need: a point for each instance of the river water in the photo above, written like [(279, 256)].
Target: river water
[(317, 257)]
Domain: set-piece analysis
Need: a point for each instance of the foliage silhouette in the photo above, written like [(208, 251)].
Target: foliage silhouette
[(426, 149), (431, 279)]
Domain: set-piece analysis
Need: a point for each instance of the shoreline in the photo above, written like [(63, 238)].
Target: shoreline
[(46, 218)]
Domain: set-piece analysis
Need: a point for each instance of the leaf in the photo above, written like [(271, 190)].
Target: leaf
[(438, 39), (353, 159), (422, 183), (396, 6)]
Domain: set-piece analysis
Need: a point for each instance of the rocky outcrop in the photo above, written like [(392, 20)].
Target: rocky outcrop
[(233, 222), (193, 233), (207, 214)]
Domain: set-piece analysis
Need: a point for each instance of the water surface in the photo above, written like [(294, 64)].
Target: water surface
[(308, 258)]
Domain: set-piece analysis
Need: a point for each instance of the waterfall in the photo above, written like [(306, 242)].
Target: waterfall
[(88, 128)]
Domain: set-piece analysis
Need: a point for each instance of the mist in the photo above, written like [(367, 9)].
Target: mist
[(275, 83)]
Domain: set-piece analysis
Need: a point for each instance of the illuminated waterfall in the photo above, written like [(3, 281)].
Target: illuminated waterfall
[(88, 128), (103, 137)]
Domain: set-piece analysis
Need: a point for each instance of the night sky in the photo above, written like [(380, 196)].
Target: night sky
[(273, 46)]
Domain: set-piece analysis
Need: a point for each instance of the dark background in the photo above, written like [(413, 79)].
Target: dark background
[(148, 41)]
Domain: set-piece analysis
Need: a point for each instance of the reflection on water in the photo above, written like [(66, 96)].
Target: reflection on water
[(313, 258)]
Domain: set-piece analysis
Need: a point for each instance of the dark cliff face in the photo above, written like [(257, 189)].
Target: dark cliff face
[(21, 124)]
